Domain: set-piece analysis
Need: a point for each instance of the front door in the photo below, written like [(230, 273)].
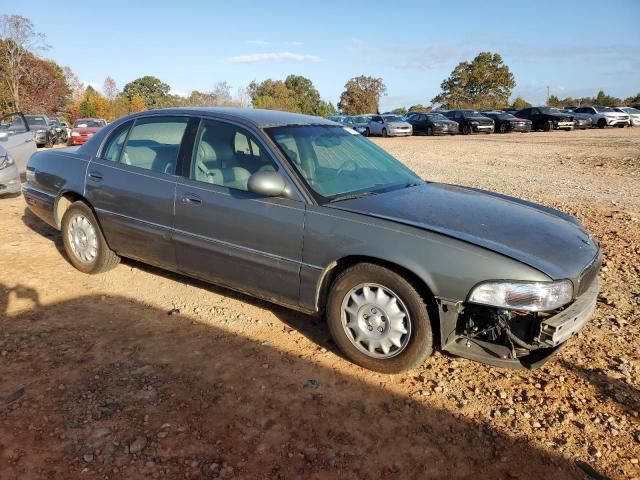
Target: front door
[(131, 185), (17, 139), (228, 235)]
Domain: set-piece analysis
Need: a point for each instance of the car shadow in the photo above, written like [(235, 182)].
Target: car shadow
[(627, 396), (312, 327), (106, 386)]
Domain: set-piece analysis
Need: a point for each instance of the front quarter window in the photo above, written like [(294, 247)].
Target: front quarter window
[(335, 162)]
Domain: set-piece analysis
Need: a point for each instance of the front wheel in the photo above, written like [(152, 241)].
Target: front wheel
[(367, 132), (602, 123), (502, 128), (378, 319), (466, 130), (548, 126), (83, 241)]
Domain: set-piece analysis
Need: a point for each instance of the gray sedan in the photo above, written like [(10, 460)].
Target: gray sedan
[(17, 144), (306, 213)]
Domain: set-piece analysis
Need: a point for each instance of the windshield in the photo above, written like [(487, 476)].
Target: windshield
[(393, 118), (87, 124), (436, 116), (604, 109), (36, 121), (471, 113), (550, 110), (335, 162), (631, 110)]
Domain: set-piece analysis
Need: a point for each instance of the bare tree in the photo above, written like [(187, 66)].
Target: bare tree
[(110, 89), (76, 87), (20, 39)]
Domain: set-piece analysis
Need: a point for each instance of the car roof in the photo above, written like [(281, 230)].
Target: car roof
[(257, 117)]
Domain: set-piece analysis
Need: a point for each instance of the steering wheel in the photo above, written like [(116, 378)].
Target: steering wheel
[(342, 167)]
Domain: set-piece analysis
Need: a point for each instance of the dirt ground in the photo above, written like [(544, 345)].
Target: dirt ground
[(140, 373)]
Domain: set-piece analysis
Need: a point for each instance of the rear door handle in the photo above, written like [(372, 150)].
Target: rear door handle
[(95, 176), (191, 199)]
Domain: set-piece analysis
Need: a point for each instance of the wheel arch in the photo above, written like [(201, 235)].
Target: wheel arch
[(64, 201), (332, 272)]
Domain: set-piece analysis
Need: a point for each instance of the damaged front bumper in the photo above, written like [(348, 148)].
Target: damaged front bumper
[(512, 341)]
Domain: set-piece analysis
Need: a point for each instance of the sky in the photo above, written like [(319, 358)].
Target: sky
[(573, 47)]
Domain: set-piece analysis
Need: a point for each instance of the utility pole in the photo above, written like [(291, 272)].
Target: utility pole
[(547, 94)]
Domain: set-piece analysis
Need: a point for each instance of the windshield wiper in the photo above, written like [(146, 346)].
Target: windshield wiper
[(351, 196)]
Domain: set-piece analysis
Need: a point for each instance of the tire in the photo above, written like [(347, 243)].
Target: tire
[(548, 126), (621, 126), (100, 258), (466, 129), (430, 131), (502, 128), (367, 132), (384, 132), (602, 123), (415, 345)]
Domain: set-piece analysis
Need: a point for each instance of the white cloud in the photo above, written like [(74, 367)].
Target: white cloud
[(295, 44), (273, 57), (257, 42), (178, 93)]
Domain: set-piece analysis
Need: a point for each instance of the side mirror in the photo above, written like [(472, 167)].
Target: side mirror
[(269, 184)]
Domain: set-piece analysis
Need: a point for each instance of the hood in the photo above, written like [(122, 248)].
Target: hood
[(480, 119), (560, 116), (399, 124), (85, 130), (548, 240)]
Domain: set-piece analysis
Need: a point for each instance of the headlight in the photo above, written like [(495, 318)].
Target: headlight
[(473, 123), (437, 124), (530, 296), (6, 161), (75, 134), (41, 131)]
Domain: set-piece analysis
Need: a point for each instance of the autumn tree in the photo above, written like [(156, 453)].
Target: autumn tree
[(632, 100), (520, 103), (362, 95), (110, 89), (19, 41), (219, 96), (295, 94), (150, 89), (399, 111), (485, 82), (137, 104), (43, 87)]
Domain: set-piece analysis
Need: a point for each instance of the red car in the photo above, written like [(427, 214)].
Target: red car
[(83, 129)]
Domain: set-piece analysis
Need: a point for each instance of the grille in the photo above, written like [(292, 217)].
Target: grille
[(589, 275)]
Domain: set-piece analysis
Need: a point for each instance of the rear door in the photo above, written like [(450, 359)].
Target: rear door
[(132, 183), (228, 235), (17, 139)]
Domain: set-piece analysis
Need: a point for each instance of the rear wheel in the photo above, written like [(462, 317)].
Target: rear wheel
[(621, 126), (466, 129), (430, 131), (83, 241), (378, 319), (367, 132), (502, 128), (548, 126), (384, 132), (602, 123)]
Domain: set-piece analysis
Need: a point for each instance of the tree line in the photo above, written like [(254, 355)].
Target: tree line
[(32, 84)]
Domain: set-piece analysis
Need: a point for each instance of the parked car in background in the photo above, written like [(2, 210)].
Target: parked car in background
[(389, 126), (16, 146), (605, 116), (360, 124), (547, 118), (470, 121), (581, 121), (83, 129), (634, 114), (429, 123), (43, 128), (299, 211), (506, 122), (59, 131)]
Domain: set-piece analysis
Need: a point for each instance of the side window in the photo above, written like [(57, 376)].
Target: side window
[(377, 118), (154, 144), (13, 124), (113, 147), (227, 155)]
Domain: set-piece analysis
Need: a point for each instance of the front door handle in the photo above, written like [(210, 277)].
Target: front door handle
[(95, 176), (191, 199)]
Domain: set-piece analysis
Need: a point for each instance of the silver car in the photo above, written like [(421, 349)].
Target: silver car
[(17, 144), (389, 126)]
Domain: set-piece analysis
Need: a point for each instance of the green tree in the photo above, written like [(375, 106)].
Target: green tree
[(150, 89), (362, 95), (554, 101), (399, 111), (485, 82), (520, 103), (326, 109), (295, 94), (632, 100), (606, 100), (419, 108)]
